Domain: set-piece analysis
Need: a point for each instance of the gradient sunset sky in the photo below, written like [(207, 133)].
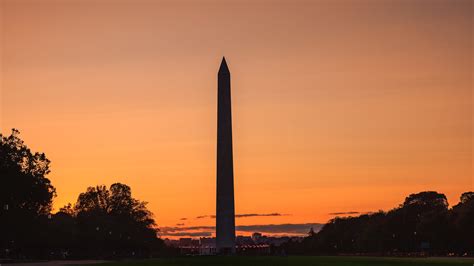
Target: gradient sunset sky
[(338, 106)]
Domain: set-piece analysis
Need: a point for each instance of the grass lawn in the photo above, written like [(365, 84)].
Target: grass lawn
[(297, 260)]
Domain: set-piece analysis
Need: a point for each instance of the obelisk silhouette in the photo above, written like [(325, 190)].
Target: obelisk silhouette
[(225, 213)]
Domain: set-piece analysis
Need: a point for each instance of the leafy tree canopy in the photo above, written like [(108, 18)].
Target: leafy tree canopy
[(24, 185), (116, 201), (430, 199)]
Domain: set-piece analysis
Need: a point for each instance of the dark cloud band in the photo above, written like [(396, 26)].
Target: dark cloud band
[(290, 229)]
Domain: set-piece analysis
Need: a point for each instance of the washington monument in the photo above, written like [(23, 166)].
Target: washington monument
[(225, 212)]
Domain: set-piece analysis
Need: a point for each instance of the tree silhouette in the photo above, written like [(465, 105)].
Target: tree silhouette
[(102, 223), (409, 224), (23, 176), (25, 192), (110, 221), (422, 223), (116, 201), (462, 220)]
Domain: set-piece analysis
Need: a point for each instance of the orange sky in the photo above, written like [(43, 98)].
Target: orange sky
[(337, 105)]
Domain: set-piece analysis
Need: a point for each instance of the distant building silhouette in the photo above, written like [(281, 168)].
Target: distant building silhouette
[(225, 212), (245, 245)]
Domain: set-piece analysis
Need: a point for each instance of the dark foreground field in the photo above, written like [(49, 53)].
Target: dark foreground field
[(293, 260)]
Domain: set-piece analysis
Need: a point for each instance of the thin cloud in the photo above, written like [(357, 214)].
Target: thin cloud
[(186, 228), (258, 215), (344, 213), (179, 224), (190, 234), (350, 213), (183, 219), (205, 216), (245, 215)]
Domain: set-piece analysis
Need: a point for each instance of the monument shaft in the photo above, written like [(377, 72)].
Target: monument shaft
[(225, 212)]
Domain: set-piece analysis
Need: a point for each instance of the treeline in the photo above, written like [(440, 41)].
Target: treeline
[(110, 223), (103, 223), (422, 225)]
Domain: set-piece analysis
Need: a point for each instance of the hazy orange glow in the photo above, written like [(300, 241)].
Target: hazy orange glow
[(337, 106)]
